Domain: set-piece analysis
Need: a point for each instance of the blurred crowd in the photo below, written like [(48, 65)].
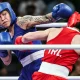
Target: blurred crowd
[(38, 7), (35, 7)]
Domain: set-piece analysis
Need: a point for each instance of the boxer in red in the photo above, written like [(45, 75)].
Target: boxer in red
[(56, 63)]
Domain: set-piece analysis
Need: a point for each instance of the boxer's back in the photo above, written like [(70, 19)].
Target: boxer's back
[(59, 56)]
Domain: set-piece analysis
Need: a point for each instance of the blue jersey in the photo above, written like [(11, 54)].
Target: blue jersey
[(30, 59)]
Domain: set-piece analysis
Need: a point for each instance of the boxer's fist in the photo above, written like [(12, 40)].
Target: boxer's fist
[(5, 38), (61, 11), (18, 40)]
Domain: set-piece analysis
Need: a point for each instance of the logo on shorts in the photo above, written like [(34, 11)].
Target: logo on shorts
[(55, 52)]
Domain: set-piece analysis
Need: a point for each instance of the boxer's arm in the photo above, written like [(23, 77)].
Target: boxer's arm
[(76, 41), (59, 11), (29, 21), (31, 36)]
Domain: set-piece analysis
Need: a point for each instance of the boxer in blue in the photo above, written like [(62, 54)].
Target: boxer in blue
[(18, 26)]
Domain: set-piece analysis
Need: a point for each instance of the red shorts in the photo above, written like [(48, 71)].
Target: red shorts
[(42, 76)]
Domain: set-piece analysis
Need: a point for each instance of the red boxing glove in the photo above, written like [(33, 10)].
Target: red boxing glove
[(18, 40), (74, 19)]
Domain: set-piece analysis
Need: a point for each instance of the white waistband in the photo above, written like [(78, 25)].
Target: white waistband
[(32, 57), (54, 69)]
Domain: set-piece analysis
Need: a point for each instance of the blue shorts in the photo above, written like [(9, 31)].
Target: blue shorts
[(28, 70)]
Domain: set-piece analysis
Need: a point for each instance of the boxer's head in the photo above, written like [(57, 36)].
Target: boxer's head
[(74, 20), (7, 15)]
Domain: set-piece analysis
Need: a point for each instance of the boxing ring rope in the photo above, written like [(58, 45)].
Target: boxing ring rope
[(52, 25), (16, 78), (33, 47)]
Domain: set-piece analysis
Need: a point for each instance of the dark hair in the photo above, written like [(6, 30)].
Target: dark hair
[(77, 26)]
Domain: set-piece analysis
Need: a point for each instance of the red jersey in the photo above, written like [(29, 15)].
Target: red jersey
[(60, 56)]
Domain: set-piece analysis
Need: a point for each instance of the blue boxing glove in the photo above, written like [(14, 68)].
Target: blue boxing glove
[(5, 38), (3, 53), (61, 11)]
